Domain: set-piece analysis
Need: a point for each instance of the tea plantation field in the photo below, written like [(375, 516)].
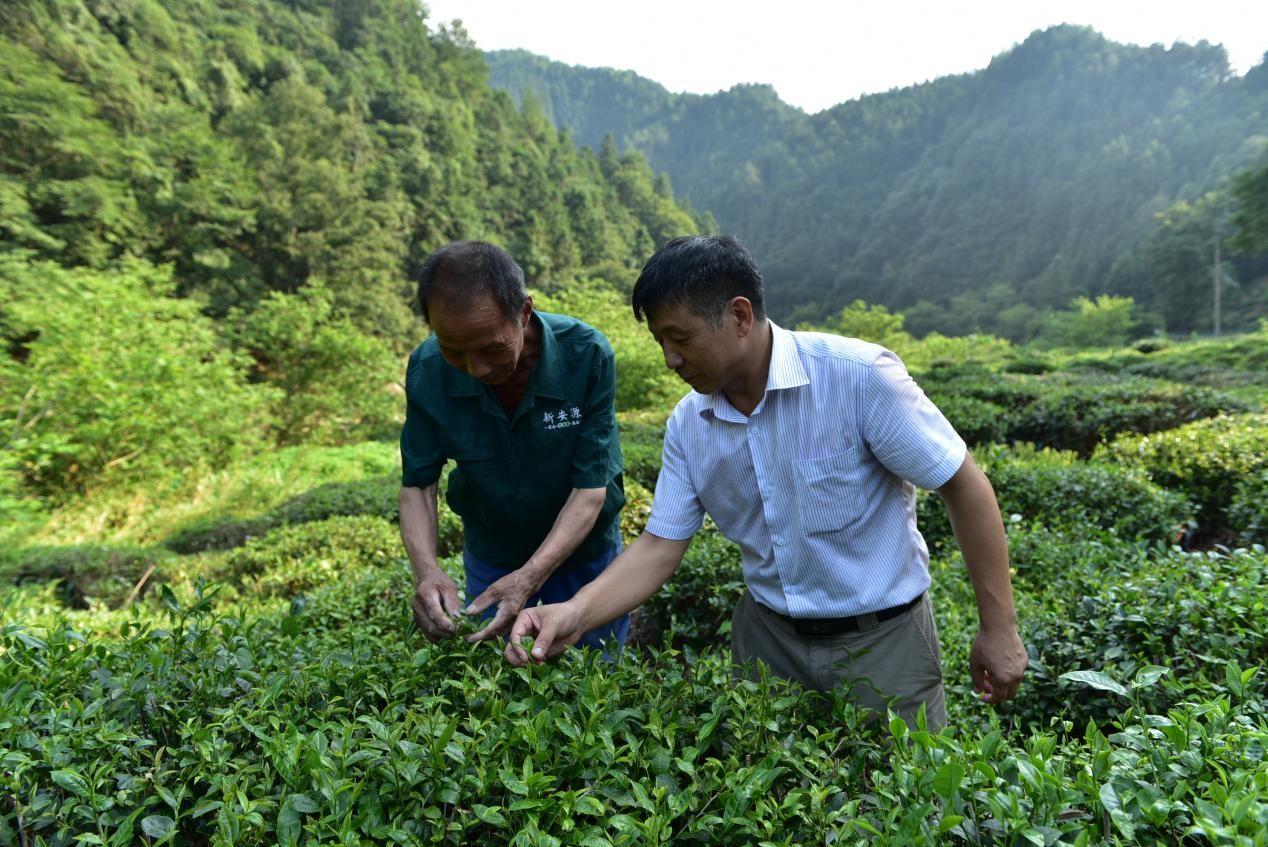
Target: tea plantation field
[(233, 662)]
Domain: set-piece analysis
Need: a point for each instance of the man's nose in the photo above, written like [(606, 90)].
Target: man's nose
[(673, 360)]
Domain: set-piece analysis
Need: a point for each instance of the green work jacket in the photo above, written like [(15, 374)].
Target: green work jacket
[(514, 473)]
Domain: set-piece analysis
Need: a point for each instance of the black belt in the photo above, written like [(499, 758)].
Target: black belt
[(824, 627)]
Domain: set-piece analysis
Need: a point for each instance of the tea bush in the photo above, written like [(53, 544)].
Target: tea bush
[(1249, 510), (1057, 490), (1067, 411), (1090, 602), (333, 723), (642, 435), (1238, 362), (694, 608), (296, 559), (638, 508), (977, 421), (1206, 460), (378, 496), (86, 575)]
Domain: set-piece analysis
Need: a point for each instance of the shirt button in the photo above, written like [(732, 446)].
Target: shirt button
[(778, 539)]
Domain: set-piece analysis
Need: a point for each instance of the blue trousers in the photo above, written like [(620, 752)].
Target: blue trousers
[(559, 586)]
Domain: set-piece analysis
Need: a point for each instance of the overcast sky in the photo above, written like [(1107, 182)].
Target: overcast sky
[(817, 54)]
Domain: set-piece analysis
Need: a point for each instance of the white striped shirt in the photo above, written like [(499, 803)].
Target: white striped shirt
[(817, 485)]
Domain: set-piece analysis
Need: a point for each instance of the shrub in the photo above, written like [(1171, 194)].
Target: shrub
[(335, 383), (638, 508), (1027, 365), (1206, 460), (1098, 604), (296, 559), (19, 512), (216, 534), (1056, 490), (870, 322), (642, 437), (87, 574), (1248, 512), (643, 381), (116, 379), (1107, 321), (1069, 411), (379, 497), (694, 607), (976, 421)]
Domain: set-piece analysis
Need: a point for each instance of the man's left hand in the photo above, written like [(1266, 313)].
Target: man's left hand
[(510, 593), (998, 660)]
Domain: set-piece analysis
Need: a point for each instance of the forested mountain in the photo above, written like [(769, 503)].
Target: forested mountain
[(257, 145), (970, 202)]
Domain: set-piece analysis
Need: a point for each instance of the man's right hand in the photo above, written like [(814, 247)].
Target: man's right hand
[(553, 628), (436, 604)]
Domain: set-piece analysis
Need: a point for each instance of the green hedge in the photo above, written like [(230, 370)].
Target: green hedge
[(1231, 363), (1066, 411), (296, 559), (336, 723), (694, 608), (378, 497), (977, 421), (1057, 490), (1205, 460), (87, 574), (1089, 602), (1248, 511), (642, 436)]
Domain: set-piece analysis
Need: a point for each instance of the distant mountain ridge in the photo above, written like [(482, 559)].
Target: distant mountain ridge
[(1035, 175)]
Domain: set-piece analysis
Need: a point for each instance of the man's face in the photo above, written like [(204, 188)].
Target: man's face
[(700, 353), (477, 339)]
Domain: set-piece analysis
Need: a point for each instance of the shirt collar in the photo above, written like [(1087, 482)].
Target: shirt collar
[(547, 379), (785, 371), (786, 368)]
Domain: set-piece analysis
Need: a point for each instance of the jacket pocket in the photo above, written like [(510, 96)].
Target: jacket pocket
[(469, 445)]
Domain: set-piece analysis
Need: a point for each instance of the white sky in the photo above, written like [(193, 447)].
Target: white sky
[(817, 54)]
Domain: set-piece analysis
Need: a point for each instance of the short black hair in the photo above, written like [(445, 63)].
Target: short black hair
[(703, 271), (470, 268)]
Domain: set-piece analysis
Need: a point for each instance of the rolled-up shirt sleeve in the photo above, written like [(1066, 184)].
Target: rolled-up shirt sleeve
[(905, 431), (676, 510), (422, 457)]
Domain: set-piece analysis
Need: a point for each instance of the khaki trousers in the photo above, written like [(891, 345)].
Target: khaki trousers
[(898, 658)]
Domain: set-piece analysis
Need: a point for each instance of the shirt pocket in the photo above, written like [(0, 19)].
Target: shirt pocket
[(828, 491)]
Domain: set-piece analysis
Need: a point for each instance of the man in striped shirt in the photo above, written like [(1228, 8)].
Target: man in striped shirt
[(805, 449)]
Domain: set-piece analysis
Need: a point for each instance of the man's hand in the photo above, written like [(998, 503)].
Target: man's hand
[(997, 661), (554, 628), (510, 593), (436, 604)]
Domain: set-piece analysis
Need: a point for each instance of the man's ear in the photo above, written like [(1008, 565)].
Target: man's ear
[(526, 311), (741, 310)]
